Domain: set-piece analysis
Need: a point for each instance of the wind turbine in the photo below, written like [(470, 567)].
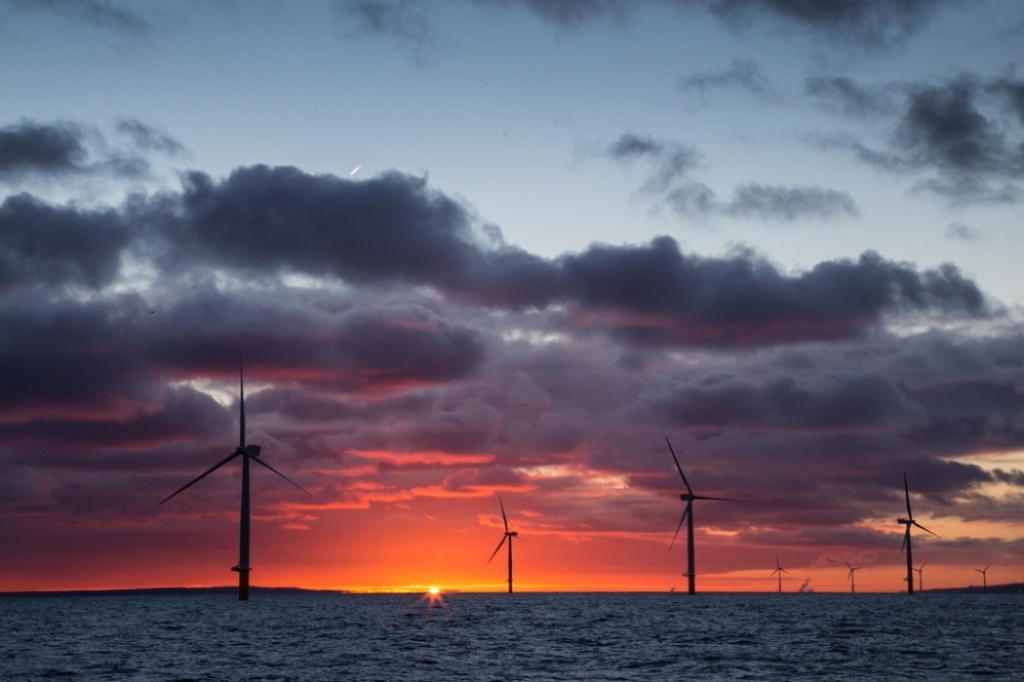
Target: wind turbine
[(780, 570), (908, 522), (688, 497), (920, 577), (850, 576), (509, 534), (984, 578), (247, 453)]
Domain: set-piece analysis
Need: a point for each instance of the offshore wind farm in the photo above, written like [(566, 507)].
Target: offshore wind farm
[(489, 250), (785, 238)]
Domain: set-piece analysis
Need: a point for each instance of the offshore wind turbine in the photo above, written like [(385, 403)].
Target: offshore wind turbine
[(920, 577), (688, 497), (780, 570), (984, 578), (247, 453), (850, 576), (908, 522), (509, 534)]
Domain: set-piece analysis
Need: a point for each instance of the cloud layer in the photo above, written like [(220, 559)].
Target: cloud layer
[(397, 357)]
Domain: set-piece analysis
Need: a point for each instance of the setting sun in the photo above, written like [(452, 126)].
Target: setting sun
[(434, 591)]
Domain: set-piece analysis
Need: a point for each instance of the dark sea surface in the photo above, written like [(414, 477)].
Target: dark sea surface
[(332, 636)]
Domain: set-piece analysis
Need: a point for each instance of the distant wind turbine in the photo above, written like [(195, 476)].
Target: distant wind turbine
[(247, 453), (920, 577), (780, 570), (908, 522), (850, 576), (688, 497), (509, 534), (984, 578)]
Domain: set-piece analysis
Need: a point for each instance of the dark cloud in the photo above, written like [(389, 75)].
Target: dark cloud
[(745, 75), (60, 149), (744, 299), (185, 415), (860, 22), (390, 228), (671, 178), (827, 403), (789, 203), (870, 22), (394, 230), (672, 161), (53, 245), (851, 98), (951, 133), (942, 127), (29, 147), (101, 14), (88, 357)]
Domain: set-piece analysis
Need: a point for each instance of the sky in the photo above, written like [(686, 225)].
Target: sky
[(506, 248)]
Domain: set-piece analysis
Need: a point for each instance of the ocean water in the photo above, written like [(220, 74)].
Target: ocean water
[(331, 636)]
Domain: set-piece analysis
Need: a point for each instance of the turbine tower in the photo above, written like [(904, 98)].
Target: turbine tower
[(509, 534), (850, 576), (780, 570), (908, 522), (688, 497), (920, 577), (247, 453), (984, 578)]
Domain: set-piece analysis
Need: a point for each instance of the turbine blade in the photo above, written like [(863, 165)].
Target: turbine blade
[(504, 537), (681, 520), (203, 475), (676, 460), (906, 490), (260, 461), (906, 539), (848, 564), (503, 517), (921, 527)]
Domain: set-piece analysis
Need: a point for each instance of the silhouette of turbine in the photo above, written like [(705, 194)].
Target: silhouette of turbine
[(780, 570), (247, 453), (850, 576), (920, 577), (908, 522), (688, 497), (984, 578), (509, 534)]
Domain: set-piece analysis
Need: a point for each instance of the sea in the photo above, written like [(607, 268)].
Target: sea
[(499, 637)]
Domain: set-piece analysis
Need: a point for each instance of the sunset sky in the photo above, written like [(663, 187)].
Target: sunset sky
[(472, 248)]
